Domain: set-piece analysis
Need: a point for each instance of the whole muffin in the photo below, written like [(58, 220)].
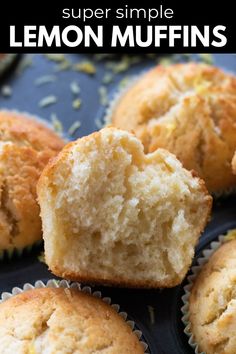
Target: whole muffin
[(189, 109), (25, 148), (212, 305), (63, 321)]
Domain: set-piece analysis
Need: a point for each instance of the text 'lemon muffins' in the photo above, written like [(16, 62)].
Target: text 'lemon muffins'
[(63, 321), (25, 148), (212, 304), (113, 215), (189, 109)]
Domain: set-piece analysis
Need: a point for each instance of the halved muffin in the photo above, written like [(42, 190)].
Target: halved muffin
[(112, 214)]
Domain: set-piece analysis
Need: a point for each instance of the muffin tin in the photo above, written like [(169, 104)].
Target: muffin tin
[(157, 313)]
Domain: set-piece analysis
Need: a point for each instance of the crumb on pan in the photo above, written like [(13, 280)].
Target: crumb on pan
[(56, 123), (86, 67), (107, 78), (76, 103), (102, 90), (62, 66), (45, 79), (47, 101), (74, 87), (99, 123), (6, 91), (231, 235), (55, 57), (74, 127)]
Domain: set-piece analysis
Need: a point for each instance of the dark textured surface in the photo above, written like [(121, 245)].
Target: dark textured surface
[(165, 335)]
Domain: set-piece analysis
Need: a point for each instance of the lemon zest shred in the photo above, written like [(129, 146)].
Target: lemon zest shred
[(231, 235)]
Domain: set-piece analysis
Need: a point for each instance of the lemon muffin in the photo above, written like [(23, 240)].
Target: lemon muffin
[(113, 215), (63, 321), (25, 148), (189, 109), (212, 304)]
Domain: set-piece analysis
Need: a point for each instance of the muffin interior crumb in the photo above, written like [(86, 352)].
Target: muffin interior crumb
[(122, 212)]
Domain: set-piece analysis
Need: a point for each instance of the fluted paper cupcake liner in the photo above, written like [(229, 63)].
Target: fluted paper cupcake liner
[(53, 283), (195, 270), (18, 252)]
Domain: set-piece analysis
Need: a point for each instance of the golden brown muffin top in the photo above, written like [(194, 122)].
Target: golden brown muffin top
[(63, 321), (189, 109), (213, 303), (21, 130), (25, 148)]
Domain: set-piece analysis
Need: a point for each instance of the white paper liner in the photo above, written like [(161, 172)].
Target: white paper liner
[(53, 283), (195, 270), (6, 62)]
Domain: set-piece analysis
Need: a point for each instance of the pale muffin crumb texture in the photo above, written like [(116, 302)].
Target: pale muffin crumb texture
[(113, 215)]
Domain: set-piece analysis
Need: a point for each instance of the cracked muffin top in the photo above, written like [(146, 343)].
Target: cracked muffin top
[(212, 305), (189, 109), (59, 321), (25, 148)]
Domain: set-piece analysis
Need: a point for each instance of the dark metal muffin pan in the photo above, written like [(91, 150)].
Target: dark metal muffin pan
[(164, 331)]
